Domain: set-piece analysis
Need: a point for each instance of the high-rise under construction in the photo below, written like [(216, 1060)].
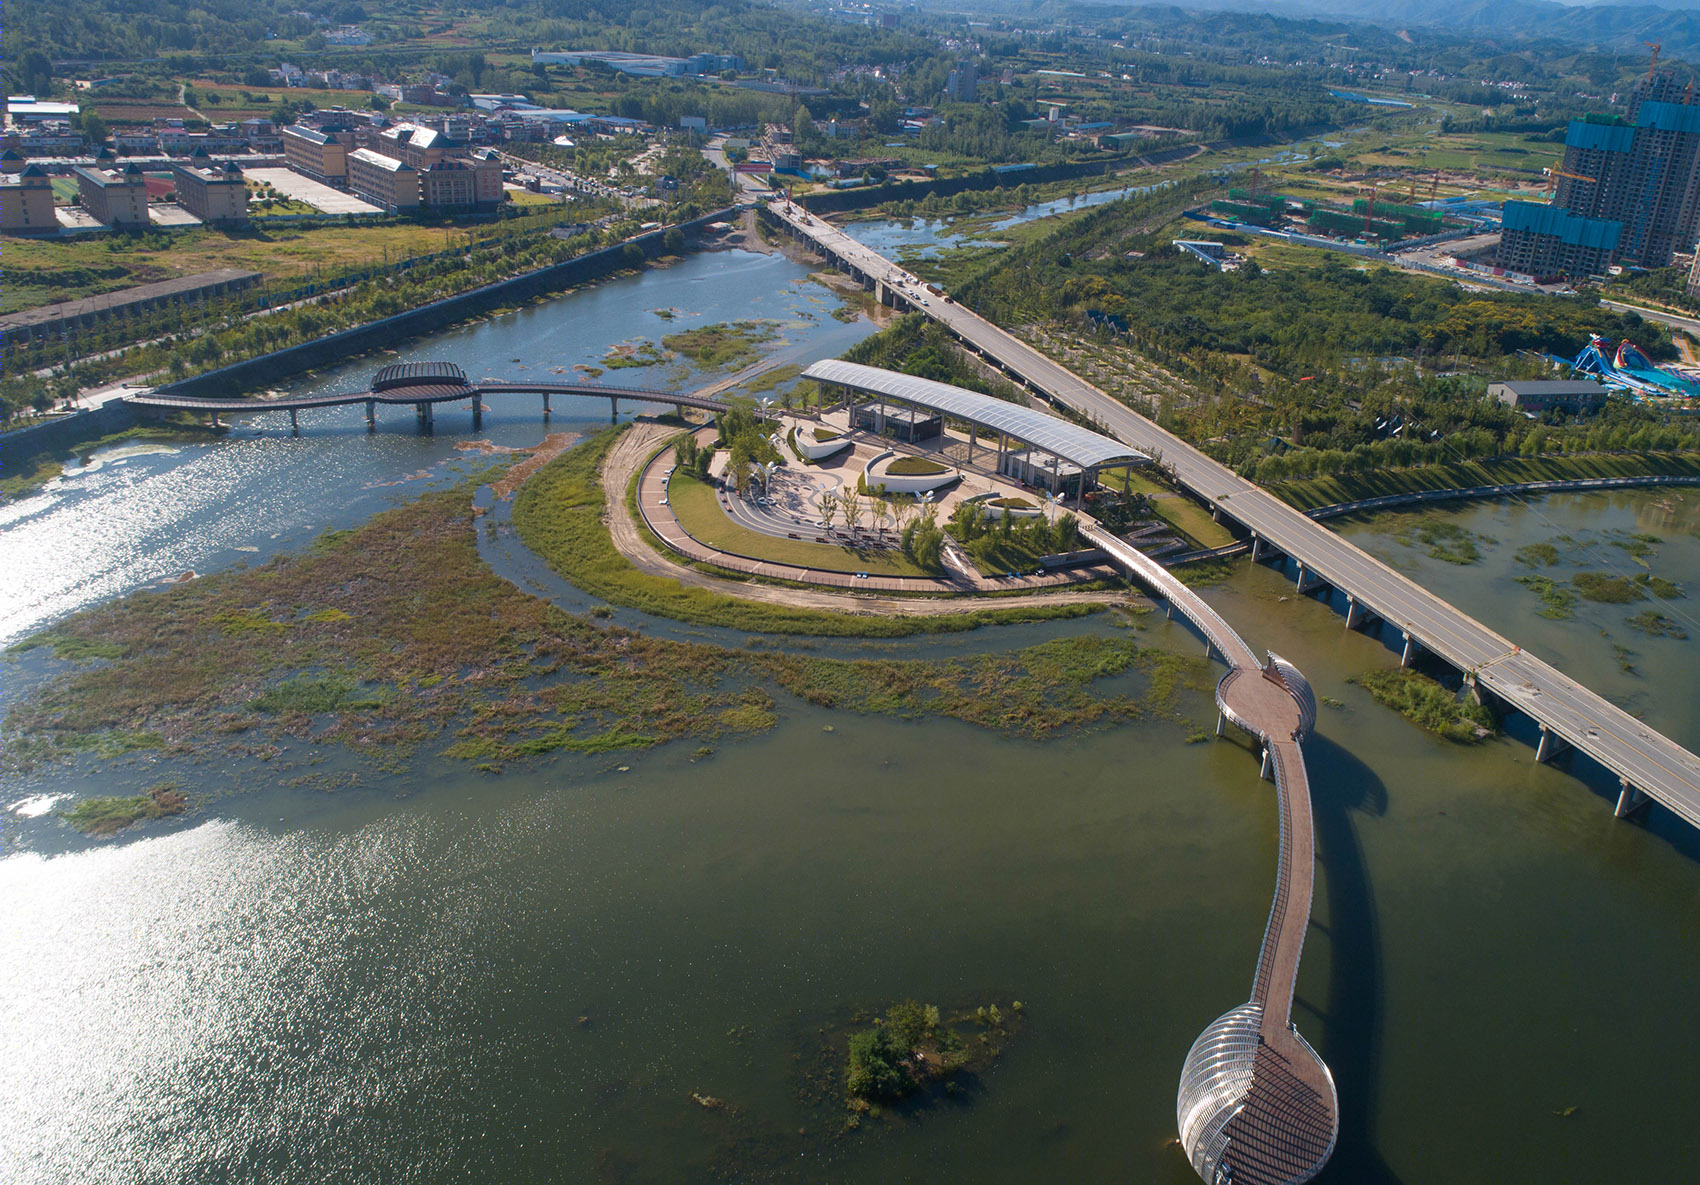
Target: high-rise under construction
[(1628, 191)]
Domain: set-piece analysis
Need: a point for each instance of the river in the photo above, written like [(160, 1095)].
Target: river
[(443, 976)]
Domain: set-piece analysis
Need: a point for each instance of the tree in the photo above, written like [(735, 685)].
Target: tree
[(35, 72), (852, 503), (95, 129), (673, 242)]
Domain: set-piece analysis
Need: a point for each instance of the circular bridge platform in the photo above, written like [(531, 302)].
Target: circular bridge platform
[(427, 378)]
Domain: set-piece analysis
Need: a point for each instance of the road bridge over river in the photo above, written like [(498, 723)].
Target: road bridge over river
[(425, 385), (1647, 764)]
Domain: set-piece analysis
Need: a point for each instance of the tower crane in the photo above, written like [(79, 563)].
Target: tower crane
[(1554, 174)]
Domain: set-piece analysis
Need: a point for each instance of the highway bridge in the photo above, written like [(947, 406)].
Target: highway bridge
[(424, 385), (1648, 765)]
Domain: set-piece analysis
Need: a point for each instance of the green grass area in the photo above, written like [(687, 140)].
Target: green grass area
[(697, 506), (915, 467), (1187, 517), (39, 271), (559, 515), (1329, 491)]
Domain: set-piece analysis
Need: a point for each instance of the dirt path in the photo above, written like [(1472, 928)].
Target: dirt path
[(642, 439)]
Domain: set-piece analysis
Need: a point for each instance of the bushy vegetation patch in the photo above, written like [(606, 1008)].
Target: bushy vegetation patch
[(1427, 703)]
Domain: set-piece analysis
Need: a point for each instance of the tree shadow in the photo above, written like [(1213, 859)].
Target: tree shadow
[(1352, 1019)]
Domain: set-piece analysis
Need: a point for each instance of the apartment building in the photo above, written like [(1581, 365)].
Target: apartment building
[(212, 193), (321, 155), (115, 198), (26, 202), (1627, 192), (383, 180)]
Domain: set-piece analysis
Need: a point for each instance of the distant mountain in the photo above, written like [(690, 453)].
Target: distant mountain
[(1597, 25)]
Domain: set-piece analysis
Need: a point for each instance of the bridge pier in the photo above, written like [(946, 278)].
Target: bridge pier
[(422, 413), (1351, 611), (1551, 745), (1256, 549), (477, 413), (1263, 768), (613, 410), (1409, 652), (1221, 723), (371, 415), (545, 406), (1305, 583), (1216, 513), (294, 424), (1629, 800)]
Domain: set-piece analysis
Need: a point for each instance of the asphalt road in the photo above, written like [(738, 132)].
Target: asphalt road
[(1643, 758)]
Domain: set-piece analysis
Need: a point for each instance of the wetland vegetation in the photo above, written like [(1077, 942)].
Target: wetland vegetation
[(396, 635)]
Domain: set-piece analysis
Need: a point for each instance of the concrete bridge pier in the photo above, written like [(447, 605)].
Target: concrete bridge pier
[(1306, 582), (1629, 800), (1256, 549), (1355, 613), (1221, 723), (1410, 651), (1216, 513), (545, 406), (1551, 745), (477, 413), (1263, 768), (371, 415), (294, 424), (424, 415), (613, 411)]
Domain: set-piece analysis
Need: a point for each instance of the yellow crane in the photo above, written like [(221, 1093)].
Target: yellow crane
[(1554, 174)]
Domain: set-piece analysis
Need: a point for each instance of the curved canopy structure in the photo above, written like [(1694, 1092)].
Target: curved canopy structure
[(1074, 444)]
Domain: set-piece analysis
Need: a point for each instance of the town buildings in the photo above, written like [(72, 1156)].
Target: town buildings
[(384, 181)]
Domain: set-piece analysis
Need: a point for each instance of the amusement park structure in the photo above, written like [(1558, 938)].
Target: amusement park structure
[(1627, 367)]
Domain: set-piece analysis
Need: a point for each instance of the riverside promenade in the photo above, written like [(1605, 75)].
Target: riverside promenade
[(1648, 765)]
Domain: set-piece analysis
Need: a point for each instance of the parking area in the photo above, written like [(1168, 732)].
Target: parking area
[(316, 194)]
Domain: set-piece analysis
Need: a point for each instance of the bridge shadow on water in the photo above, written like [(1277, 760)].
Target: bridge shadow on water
[(1341, 785)]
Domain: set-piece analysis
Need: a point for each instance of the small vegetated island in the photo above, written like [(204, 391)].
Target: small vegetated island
[(912, 1052)]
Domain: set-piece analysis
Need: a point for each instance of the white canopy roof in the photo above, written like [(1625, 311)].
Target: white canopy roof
[(1082, 446)]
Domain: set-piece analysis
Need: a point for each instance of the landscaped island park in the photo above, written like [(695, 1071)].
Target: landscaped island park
[(465, 721)]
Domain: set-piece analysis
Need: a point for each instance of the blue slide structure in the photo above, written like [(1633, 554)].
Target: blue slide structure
[(1628, 367)]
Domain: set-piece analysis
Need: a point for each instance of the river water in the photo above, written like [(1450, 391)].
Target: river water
[(445, 976)]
